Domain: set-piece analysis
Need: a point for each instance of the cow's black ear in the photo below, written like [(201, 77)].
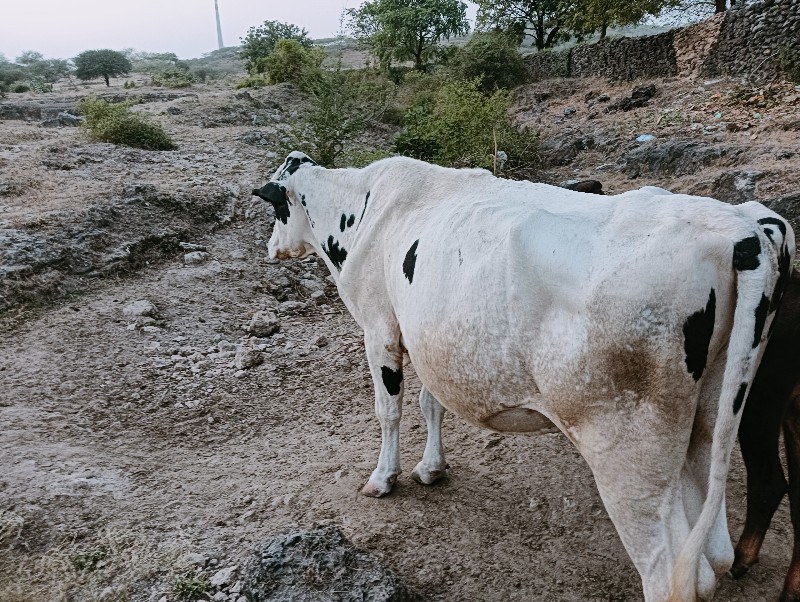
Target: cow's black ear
[(273, 193)]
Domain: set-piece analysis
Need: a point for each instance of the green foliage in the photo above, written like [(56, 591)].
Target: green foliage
[(253, 81), (342, 103), (545, 20), (463, 128), (291, 62), (592, 15), (216, 64), (172, 78), (115, 123), (128, 85), (493, 58), (91, 64), (10, 75), (260, 41), (789, 63), (191, 588), (407, 30), (87, 560)]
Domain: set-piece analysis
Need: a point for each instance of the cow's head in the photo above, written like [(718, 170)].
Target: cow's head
[(291, 235)]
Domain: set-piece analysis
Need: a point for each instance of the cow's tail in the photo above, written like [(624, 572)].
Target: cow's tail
[(754, 266)]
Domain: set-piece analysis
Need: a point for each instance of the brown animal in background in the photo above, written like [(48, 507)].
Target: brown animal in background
[(773, 403)]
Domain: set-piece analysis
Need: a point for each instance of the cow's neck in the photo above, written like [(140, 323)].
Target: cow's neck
[(335, 203)]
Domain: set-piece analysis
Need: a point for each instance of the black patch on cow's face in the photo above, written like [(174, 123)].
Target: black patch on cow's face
[(392, 379), (739, 400), (761, 318), (335, 253), (275, 194), (745, 254), (364, 210), (697, 331), (410, 262)]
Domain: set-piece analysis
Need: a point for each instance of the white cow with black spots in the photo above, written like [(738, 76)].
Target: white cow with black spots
[(633, 325)]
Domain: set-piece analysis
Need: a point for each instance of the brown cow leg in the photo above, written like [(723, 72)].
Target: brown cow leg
[(791, 435), (766, 485)]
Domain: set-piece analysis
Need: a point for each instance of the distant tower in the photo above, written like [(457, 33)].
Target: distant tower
[(219, 26)]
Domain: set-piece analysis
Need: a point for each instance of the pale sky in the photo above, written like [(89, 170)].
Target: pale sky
[(62, 29)]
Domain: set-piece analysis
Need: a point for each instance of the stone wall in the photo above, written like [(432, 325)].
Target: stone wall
[(743, 41)]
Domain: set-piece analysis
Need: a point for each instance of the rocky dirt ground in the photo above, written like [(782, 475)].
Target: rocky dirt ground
[(148, 438)]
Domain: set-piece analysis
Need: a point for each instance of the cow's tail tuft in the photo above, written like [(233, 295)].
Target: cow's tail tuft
[(756, 274)]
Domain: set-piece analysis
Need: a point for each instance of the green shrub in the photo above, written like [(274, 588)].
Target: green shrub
[(291, 62), (20, 88), (128, 85), (39, 85), (115, 123), (191, 588), (493, 57), (260, 41), (253, 81), (172, 78), (463, 127)]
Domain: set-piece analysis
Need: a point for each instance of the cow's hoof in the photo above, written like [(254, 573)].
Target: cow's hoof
[(426, 476), (372, 489), (739, 570)]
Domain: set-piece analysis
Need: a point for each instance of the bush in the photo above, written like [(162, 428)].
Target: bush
[(115, 123), (260, 41), (172, 78), (291, 62), (20, 88), (493, 57), (254, 81), (91, 64), (128, 85), (463, 128)]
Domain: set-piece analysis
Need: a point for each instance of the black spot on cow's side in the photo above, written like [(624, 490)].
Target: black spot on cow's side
[(343, 222), (697, 331), (392, 379), (761, 319), (364, 210), (775, 222), (410, 262), (739, 400), (335, 253), (745, 254), (351, 220)]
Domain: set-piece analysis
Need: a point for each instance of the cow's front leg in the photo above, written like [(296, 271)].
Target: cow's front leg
[(433, 465), (386, 366)]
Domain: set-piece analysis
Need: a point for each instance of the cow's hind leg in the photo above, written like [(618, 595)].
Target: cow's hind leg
[(637, 463), (791, 435), (433, 465), (385, 357), (759, 432)]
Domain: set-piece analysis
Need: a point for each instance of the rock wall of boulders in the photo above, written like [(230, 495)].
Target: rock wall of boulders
[(743, 41)]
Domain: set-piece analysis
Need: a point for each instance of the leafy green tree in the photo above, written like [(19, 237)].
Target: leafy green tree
[(546, 21), (494, 58), (291, 62), (260, 41), (39, 69), (407, 30), (91, 64), (598, 15)]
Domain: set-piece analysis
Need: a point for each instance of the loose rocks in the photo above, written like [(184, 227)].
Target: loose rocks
[(319, 564), (263, 324), (248, 358)]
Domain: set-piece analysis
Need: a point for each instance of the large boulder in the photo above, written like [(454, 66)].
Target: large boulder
[(319, 565)]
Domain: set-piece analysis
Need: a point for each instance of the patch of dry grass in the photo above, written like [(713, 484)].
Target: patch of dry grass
[(110, 567)]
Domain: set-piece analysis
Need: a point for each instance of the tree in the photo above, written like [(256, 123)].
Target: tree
[(91, 64), (493, 58), (290, 62), (546, 20), (260, 41), (403, 30), (593, 15)]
